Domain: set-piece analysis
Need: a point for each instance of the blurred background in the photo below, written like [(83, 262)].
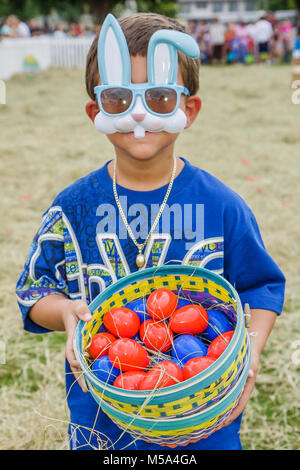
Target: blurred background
[(247, 134), (228, 31)]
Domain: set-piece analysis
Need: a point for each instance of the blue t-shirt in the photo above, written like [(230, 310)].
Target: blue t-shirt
[(82, 246)]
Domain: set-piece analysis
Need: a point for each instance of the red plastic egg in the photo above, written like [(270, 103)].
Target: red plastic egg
[(196, 365), (122, 322), (126, 354), (161, 304), (129, 380), (219, 344), (156, 335), (189, 319), (100, 344), (164, 374)]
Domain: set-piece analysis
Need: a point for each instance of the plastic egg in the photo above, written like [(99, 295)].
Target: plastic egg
[(164, 374), (217, 324), (129, 380), (189, 319), (219, 344), (139, 306), (100, 344), (156, 335), (186, 347), (161, 303), (122, 322), (104, 370), (196, 365), (126, 354)]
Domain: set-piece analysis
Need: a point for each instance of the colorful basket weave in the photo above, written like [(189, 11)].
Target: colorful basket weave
[(190, 410)]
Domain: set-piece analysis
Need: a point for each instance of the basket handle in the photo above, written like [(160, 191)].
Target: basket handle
[(247, 315)]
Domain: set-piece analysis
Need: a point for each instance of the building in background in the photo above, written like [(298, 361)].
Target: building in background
[(226, 10)]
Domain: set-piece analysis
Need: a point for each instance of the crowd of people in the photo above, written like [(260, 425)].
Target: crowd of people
[(265, 40), (14, 27)]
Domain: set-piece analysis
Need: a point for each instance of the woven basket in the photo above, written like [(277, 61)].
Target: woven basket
[(192, 409)]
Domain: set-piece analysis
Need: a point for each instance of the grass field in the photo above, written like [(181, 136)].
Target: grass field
[(247, 134)]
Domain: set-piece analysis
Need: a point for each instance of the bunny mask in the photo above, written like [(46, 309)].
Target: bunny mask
[(140, 107)]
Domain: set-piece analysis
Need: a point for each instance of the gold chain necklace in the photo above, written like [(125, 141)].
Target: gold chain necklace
[(140, 259)]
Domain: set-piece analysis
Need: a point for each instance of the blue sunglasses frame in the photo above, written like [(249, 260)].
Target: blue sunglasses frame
[(139, 89)]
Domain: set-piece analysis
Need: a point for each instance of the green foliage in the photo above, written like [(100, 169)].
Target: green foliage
[(71, 10), (155, 6), (275, 5)]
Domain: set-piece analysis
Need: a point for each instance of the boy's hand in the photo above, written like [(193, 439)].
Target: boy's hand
[(248, 389), (261, 324), (74, 311)]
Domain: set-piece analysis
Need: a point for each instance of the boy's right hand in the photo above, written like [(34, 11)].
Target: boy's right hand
[(74, 311)]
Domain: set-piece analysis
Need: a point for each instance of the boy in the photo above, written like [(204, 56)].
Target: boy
[(97, 230)]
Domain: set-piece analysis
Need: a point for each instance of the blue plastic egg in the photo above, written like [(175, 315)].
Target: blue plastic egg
[(183, 302), (139, 306), (186, 347), (179, 363), (218, 324), (104, 370)]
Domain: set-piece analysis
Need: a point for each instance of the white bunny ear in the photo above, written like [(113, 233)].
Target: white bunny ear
[(113, 59), (162, 63), (158, 60), (113, 54)]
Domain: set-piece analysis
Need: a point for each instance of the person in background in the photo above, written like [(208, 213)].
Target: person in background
[(286, 30), (192, 28), (217, 39), (35, 30), (202, 29), (271, 17), (263, 33), (59, 32), (296, 47), (205, 48), (229, 35), (203, 39), (75, 30), (242, 33), (6, 28), (21, 29), (276, 47)]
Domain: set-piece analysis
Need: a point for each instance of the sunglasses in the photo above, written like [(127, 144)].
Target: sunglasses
[(158, 100)]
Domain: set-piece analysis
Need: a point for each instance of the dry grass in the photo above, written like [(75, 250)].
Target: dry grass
[(247, 134)]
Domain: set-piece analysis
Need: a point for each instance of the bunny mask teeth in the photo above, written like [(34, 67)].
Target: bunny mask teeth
[(126, 124)]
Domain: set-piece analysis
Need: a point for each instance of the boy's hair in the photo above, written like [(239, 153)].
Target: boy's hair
[(138, 29)]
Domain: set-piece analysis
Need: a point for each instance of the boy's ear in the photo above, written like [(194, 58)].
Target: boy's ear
[(92, 109), (192, 107)]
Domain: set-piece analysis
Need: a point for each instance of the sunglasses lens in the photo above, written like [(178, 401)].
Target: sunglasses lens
[(161, 100), (116, 100)]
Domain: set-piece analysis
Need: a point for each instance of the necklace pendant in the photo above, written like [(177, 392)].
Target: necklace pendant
[(140, 260)]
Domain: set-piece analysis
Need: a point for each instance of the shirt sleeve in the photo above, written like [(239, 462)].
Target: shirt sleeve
[(44, 271), (252, 271)]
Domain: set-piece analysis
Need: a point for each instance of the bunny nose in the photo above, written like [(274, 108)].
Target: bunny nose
[(138, 117)]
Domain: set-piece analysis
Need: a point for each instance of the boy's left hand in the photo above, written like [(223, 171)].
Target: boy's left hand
[(248, 389), (261, 323)]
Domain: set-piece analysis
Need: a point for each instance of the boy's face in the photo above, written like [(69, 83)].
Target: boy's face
[(153, 143)]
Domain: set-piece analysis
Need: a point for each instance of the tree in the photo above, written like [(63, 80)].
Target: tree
[(156, 6), (297, 3), (71, 9)]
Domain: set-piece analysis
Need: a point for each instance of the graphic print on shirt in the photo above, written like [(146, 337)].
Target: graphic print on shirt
[(55, 249)]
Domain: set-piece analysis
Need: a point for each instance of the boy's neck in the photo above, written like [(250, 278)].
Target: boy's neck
[(144, 175)]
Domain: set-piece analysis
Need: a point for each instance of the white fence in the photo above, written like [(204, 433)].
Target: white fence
[(45, 50)]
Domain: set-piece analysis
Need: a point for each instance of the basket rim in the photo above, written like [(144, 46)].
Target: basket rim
[(165, 423), (206, 377)]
